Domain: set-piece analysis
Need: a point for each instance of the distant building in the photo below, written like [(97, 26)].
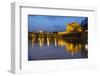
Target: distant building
[(72, 27)]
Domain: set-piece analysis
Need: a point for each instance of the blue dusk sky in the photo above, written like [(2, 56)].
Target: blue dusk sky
[(51, 23)]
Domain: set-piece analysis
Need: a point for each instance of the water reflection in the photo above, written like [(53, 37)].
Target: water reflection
[(70, 46), (86, 46), (48, 42)]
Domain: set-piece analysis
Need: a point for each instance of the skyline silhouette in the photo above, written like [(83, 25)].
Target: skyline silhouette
[(51, 23)]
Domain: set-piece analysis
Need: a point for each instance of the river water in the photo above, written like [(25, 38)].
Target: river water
[(47, 49)]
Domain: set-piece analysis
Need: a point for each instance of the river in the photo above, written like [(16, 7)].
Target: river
[(47, 49)]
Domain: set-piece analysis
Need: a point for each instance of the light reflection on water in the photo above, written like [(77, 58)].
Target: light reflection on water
[(47, 48)]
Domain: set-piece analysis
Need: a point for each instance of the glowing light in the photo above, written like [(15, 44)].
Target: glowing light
[(70, 47), (72, 27), (55, 42), (48, 42), (61, 43), (41, 42), (33, 41), (40, 31), (86, 46)]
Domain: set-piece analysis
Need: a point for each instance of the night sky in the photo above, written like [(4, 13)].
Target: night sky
[(50, 23)]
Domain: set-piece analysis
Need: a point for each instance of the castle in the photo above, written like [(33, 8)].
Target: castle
[(72, 27)]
